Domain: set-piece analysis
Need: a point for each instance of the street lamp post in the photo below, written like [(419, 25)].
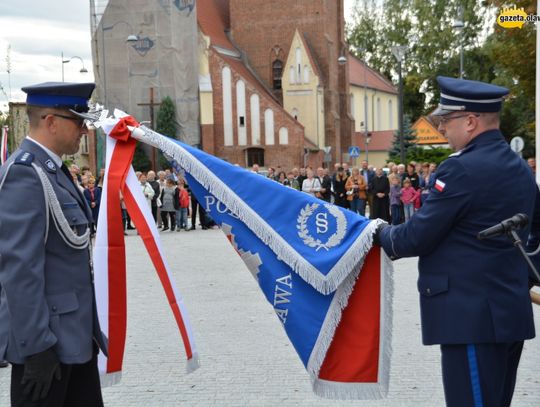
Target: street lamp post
[(399, 52), (359, 50), (65, 61), (458, 26)]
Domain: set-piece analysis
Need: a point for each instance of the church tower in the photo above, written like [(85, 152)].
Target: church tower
[(265, 30)]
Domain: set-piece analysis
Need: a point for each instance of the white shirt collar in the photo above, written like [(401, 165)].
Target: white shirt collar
[(56, 158)]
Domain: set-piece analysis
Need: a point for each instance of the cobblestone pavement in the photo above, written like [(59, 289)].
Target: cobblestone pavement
[(246, 359)]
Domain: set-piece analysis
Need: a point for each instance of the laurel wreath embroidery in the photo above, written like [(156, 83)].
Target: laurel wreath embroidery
[(309, 240)]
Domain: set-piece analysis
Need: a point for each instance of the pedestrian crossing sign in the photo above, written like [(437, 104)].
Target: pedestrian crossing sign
[(354, 151)]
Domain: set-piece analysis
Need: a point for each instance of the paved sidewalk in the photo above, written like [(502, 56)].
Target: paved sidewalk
[(245, 356)]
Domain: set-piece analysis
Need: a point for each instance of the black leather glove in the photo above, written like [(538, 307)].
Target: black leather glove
[(39, 370), (376, 235)]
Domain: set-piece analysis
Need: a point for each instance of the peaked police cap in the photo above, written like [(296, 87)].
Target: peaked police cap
[(468, 96), (61, 95)]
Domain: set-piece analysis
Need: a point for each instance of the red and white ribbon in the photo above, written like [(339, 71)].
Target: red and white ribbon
[(110, 257)]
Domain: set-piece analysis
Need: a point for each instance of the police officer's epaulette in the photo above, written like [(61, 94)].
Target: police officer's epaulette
[(24, 158), (461, 152)]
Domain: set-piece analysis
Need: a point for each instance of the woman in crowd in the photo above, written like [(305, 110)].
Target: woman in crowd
[(168, 209), (412, 175), (147, 189), (311, 185), (356, 192), (340, 193), (282, 178)]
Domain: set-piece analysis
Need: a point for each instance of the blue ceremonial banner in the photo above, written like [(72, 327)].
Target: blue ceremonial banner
[(313, 261), (309, 258)]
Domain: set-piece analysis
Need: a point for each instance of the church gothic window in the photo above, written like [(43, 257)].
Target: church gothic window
[(241, 112), (306, 74), (269, 138), (277, 73), (227, 106), (283, 135), (292, 76), (255, 119), (298, 65)]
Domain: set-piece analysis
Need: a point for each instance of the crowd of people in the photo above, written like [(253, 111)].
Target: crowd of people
[(393, 193), (166, 193)]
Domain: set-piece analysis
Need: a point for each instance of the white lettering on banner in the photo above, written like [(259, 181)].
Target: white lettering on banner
[(220, 207), (282, 314), (321, 222), (286, 280), (281, 296)]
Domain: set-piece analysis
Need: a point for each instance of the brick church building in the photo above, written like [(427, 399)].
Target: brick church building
[(271, 89)]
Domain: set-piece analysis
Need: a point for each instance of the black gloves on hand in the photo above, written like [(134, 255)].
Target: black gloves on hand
[(39, 370), (376, 235)]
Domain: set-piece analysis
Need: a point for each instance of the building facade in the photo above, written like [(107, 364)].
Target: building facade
[(271, 90), (374, 107)]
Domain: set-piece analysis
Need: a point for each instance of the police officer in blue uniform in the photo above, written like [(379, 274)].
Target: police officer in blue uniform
[(49, 329), (474, 295)]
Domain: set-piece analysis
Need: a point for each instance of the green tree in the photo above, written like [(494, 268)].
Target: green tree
[(429, 154), (513, 52), (506, 57), (413, 99), (166, 125), (478, 65), (409, 141), (426, 28), (141, 162)]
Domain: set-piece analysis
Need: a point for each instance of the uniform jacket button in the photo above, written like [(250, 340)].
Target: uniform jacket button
[(54, 308), (23, 343), (73, 219), (428, 291)]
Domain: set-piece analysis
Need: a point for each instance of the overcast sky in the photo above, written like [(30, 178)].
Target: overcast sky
[(38, 32)]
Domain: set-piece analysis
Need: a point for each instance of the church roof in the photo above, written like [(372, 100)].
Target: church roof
[(213, 19), (309, 52), (362, 75)]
